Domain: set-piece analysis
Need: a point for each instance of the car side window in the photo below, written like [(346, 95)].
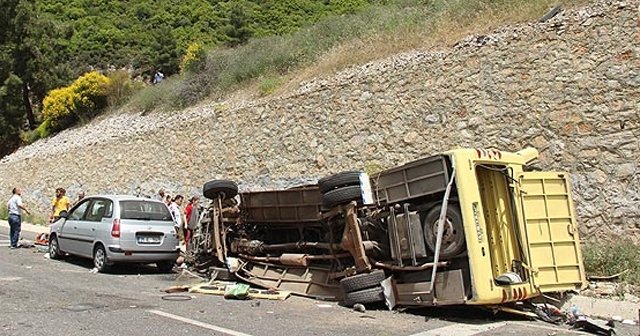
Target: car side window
[(78, 212), (100, 208)]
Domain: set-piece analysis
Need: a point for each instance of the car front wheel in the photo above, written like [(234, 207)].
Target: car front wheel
[(54, 248)]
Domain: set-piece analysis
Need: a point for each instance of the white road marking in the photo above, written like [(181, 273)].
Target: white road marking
[(10, 278), (199, 324), (5, 242), (460, 329)]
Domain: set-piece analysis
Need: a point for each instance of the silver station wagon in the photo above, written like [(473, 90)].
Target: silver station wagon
[(116, 229)]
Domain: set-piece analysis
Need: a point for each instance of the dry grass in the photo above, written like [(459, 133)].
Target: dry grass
[(456, 20), (623, 256), (277, 64)]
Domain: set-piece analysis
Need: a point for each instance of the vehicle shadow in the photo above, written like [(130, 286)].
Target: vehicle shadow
[(117, 269), (465, 314)]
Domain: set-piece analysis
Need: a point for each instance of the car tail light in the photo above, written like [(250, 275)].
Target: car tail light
[(115, 228)]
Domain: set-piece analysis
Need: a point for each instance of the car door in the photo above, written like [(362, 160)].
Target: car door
[(68, 237), (89, 226)]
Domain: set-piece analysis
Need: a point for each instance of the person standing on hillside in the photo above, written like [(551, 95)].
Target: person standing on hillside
[(158, 77), (161, 195), (60, 203), (15, 207)]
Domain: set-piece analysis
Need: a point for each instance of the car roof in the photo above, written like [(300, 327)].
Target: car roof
[(124, 198)]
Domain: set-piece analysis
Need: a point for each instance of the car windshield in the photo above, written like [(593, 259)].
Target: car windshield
[(145, 210)]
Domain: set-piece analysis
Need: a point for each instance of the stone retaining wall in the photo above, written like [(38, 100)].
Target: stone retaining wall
[(569, 87)]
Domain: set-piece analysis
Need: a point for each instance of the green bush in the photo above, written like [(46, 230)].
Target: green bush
[(41, 132), (155, 96), (121, 87), (4, 213), (269, 84), (194, 58), (611, 258)]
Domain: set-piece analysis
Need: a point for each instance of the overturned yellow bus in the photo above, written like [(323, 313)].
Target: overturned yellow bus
[(467, 226)]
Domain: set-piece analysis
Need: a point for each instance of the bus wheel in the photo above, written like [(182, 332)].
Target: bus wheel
[(453, 242)]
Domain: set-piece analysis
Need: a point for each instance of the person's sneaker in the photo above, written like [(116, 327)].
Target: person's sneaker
[(13, 247)]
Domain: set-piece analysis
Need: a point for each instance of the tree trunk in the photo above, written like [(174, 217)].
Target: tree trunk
[(27, 106)]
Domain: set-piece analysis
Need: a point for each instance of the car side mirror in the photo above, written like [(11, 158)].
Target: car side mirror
[(64, 214)]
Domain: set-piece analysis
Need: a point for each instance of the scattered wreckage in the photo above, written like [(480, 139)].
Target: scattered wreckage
[(468, 226)]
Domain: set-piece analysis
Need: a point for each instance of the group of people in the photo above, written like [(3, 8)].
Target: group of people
[(16, 207), (184, 219)]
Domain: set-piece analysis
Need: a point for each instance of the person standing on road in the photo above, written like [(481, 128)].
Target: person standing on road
[(15, 207), (192, 214), (60, 203), (178, 215)]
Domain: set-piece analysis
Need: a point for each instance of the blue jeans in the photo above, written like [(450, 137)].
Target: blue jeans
[(14, 231)]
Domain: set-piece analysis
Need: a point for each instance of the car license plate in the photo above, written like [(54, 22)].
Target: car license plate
[(149, 240)]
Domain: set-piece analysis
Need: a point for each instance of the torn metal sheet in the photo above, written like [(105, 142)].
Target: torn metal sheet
[(315, 282), (389, 293), (594, 327)]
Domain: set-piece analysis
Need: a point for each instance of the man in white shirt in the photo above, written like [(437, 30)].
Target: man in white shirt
[(177, 214), (15, 208)]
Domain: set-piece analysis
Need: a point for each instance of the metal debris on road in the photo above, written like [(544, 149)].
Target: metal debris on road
[(230, 290), (597, 327), (177, 297), (606, 277), (177, 289)]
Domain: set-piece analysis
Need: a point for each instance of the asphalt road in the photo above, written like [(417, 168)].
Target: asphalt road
[(39, 296)]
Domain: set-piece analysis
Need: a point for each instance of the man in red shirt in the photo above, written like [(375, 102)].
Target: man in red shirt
[(192, 214)]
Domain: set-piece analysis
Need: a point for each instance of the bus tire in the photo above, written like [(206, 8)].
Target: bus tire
[(342, 196), (369, 295), (216, 188), (453, 242), (362, 281), (348, 178)]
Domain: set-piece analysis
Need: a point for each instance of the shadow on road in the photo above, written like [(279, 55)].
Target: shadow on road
[(465, 314), (117, 269)]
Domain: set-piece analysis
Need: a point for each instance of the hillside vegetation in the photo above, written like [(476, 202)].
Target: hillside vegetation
[(147, 35), (206, 48), (379, 30)]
